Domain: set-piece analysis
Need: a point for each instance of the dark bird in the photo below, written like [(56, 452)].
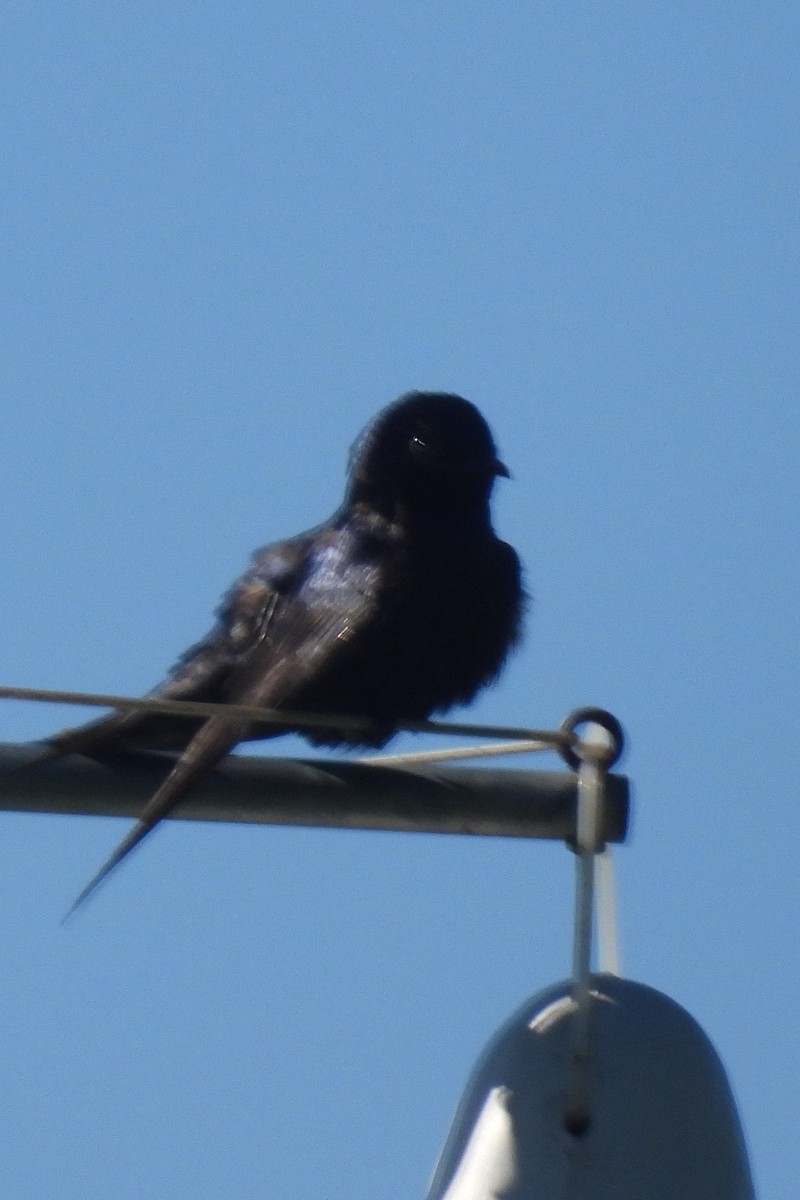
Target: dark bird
[(401, 605)]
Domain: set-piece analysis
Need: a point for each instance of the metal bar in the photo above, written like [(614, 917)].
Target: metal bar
[(335, 794), (277, 718), (591, 798), (608, 954)]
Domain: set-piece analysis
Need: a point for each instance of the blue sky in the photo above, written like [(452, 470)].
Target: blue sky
[(232, 235)]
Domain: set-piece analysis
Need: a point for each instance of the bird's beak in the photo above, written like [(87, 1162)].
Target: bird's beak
[(500, 468)]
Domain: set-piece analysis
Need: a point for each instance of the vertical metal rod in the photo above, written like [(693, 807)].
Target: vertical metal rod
[(607, 928), (590, 796)]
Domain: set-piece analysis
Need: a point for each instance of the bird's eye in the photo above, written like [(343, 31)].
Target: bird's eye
[(418, 442)]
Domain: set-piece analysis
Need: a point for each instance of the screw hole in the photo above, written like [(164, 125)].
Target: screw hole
[(576, 1124)]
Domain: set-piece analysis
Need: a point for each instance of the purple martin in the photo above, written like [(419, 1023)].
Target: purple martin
[(399, 606)]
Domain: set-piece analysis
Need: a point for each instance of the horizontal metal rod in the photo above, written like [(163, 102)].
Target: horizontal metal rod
[(335, 794), (278, 718)]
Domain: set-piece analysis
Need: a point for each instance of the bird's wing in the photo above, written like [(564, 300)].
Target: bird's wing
[(335, 598), (243, 620)]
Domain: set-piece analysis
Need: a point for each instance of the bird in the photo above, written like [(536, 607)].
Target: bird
[(400, 605)]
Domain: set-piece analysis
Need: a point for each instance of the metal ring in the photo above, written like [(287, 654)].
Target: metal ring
[(597, 716)]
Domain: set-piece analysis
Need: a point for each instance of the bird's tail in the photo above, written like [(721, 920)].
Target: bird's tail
[(206, 748)]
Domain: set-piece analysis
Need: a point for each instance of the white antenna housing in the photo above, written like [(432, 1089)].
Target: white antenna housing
[(662, 1122)]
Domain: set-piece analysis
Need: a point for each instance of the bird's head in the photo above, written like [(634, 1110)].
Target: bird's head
[(430, 445)]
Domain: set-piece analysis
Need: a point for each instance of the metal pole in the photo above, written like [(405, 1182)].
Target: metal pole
[(590, 808), (335, 793), (591, 758)]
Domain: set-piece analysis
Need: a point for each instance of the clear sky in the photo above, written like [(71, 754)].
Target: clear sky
[(230, 234)]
